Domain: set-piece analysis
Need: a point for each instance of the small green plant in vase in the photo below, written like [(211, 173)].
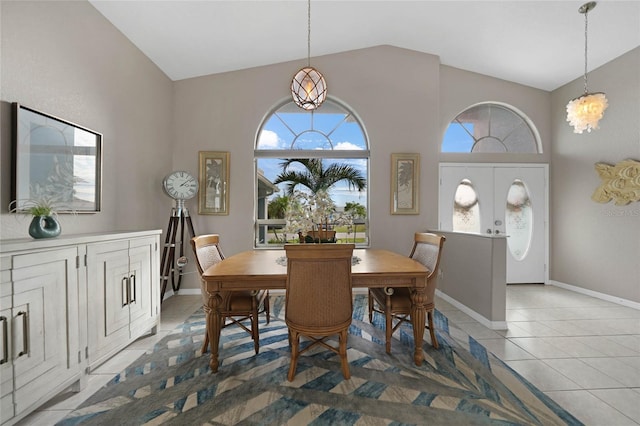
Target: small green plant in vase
[(44, 223)]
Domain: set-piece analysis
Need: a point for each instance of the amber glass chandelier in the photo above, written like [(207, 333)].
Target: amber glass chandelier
[(308, 88), (584, 112)]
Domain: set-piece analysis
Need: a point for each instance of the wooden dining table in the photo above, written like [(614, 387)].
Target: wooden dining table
[(266, 270)]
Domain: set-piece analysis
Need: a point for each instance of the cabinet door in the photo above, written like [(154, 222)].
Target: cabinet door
[(42, 282), (107, 272), (122, 281), (6, 364), (140, 283)]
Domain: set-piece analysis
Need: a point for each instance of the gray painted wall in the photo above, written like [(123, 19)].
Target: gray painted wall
[(400, 112), (222, 112), (66, 59), (474, 273), (596, 246)]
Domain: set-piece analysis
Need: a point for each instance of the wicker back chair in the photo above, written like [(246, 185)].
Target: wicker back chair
[(237, 306), (319, 302), (395, 303)]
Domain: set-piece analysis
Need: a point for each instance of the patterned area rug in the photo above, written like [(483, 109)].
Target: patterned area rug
[(458, 384)]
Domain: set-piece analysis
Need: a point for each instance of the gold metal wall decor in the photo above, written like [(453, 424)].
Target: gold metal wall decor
[(620, 182)]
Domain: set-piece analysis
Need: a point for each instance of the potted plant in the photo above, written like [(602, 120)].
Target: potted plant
[(44, 223)]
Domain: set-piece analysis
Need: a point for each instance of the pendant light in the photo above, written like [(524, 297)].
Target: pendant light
[(308, 87), (584, 112)]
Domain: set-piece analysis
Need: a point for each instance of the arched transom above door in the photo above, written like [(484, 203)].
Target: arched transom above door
[(491, 128)]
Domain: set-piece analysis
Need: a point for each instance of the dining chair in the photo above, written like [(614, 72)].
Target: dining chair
[(395, 303), (318, 301), (237, 306)]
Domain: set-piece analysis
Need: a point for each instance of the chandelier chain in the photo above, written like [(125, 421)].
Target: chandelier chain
[(584, 112), (308, 33), (586, 20)]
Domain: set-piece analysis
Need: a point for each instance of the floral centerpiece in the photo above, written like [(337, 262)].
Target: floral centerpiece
[(311, 215)]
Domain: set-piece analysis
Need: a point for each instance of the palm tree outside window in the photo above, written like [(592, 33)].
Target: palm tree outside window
[(296, 150)]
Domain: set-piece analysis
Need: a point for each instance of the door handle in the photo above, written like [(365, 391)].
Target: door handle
[(132, 280), (124, 285), (489, 231), (5, 340), (25, 333)]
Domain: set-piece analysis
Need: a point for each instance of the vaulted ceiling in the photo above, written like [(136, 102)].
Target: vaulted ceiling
[(536, 43)]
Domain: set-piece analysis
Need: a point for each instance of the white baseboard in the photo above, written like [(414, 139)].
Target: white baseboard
[(186, 292), (493, 325), (597, 295), (168, 293)]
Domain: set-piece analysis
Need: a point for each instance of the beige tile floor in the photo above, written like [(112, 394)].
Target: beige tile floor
[(581, 351)]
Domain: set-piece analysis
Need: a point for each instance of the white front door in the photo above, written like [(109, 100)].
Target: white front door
[(500, 199)]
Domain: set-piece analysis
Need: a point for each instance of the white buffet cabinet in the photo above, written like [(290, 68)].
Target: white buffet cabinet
[(68, 304)]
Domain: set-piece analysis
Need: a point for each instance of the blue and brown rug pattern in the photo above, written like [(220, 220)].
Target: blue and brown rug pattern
[(458, 384)]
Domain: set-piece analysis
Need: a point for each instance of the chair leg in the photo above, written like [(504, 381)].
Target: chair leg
[(343, 355), (255, 335), (388, 324), (432, 330), (295, 346), (267, 307), (205, 343), (370, 307)]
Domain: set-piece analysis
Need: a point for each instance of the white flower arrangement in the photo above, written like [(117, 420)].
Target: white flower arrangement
[(312, 212)]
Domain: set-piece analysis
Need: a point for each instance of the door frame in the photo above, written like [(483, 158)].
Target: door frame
[(545, 168)]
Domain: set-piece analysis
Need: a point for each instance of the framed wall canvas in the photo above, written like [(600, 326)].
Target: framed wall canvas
[(405, 183), (55, 161), (213, 197)]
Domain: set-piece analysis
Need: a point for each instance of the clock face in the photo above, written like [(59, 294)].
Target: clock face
[(180, 185)]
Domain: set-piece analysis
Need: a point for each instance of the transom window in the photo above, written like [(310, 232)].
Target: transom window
[(491, 127), (303, 151)]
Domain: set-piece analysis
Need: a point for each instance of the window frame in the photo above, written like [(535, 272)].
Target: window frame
[(360, 154), (525, 120)]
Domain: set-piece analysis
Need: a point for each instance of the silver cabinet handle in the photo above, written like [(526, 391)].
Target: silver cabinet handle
[(25, 333), (125, 291), (5, 340), (132, 280)]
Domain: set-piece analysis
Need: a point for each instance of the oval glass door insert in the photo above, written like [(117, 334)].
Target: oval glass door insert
[(466, 209), (518, 220)]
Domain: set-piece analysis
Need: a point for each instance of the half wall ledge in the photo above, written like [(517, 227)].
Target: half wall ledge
[(473, 276)]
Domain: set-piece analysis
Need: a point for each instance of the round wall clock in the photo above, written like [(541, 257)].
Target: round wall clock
[(180, 185)]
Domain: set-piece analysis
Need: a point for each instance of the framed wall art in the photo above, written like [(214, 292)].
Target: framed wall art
[(213, 197), (55, 161), (405, 183)]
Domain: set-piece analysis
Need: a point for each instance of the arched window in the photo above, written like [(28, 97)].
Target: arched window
[(294, 147), (491, 127)]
